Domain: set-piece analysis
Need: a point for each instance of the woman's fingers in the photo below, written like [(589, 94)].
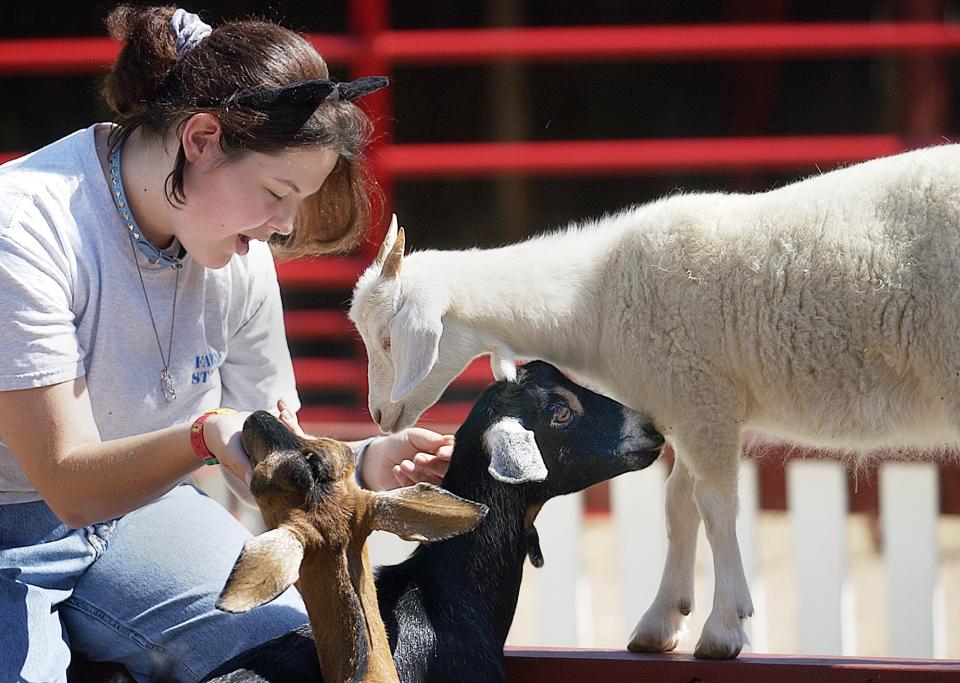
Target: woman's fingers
[(426, 440), (422, 468), (402, 477), (434, 464), (288, 419)]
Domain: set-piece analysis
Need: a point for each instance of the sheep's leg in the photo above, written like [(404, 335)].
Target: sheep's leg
[(659, 628), (715, 493)]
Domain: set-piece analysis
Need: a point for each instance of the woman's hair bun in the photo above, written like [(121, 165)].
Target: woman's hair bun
[(139, 74)]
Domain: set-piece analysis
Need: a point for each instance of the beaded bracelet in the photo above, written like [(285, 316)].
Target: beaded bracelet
[(196, 436)]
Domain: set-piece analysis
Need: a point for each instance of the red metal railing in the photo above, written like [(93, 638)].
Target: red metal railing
[(374, 46), (371, 47), (635, 157), (694, 42)]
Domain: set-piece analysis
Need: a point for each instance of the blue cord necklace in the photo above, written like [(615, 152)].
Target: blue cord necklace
[(146, 247), (154, 255)]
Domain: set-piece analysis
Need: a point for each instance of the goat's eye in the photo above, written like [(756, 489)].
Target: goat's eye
[(561, 416)]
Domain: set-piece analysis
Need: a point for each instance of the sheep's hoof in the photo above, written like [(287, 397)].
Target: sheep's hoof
[(637, 644), (719, 641), (715, 651), (655, 634)]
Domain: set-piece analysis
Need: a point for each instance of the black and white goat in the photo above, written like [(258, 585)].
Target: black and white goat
[(448, 607)]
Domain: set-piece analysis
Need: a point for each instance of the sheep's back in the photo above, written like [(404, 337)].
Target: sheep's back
[(821, 307)]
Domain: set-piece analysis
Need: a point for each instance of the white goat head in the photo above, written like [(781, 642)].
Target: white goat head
[(412, 352)]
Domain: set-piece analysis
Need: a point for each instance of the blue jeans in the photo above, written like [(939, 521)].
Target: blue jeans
[(136, 590)]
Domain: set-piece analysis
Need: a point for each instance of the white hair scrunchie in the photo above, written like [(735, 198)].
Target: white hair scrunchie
[(188, 30)]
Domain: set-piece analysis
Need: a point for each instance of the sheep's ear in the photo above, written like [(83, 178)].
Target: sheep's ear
[(514, 456), (503, 363), (414, 345), (267, 566), (388, 241), (425, 513), (394, 259)]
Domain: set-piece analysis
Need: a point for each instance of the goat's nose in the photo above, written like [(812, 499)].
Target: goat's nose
[(651, 433), (377, 415)]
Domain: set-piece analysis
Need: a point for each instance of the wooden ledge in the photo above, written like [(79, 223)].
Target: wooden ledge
[(560, 665)]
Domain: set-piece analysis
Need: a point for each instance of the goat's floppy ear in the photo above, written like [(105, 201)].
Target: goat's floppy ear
[(394, 258), (414, 344), (514, 456), (503, 363), (425, 513), (388, 241), (267, 566)]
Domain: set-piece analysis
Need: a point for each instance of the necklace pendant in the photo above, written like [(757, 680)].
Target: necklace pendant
[(166, 384)]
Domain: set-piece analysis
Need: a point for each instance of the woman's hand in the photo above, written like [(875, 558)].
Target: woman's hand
[(224, 441), (401, 459), (221, 433), (406, 458)]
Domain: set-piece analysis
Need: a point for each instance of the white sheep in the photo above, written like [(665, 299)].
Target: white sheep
[(826, 313)]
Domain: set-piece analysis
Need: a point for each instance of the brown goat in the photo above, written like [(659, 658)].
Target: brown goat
[(319, 519)]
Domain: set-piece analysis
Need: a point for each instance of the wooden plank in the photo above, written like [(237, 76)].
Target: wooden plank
[(817, 496), (613, 666), (909, 506), (950, 486), (562, 606), (749, 500), (638, 516), (862, 490)]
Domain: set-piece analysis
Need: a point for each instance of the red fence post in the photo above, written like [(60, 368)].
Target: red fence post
[(367, 20)]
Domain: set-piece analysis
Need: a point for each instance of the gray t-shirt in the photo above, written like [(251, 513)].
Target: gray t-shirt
[(71, 305)]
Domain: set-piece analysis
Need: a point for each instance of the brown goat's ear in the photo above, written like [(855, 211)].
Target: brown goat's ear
[(425, 513), (267, 566)]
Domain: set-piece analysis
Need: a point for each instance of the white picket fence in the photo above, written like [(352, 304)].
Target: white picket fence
[(817, 495)]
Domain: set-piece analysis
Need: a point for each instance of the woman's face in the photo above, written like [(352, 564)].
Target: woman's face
[(247, 197)]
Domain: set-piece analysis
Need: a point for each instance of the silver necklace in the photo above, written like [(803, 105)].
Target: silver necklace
[(154, 255)]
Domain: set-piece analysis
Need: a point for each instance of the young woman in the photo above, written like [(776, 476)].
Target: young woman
[(138, 294)]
